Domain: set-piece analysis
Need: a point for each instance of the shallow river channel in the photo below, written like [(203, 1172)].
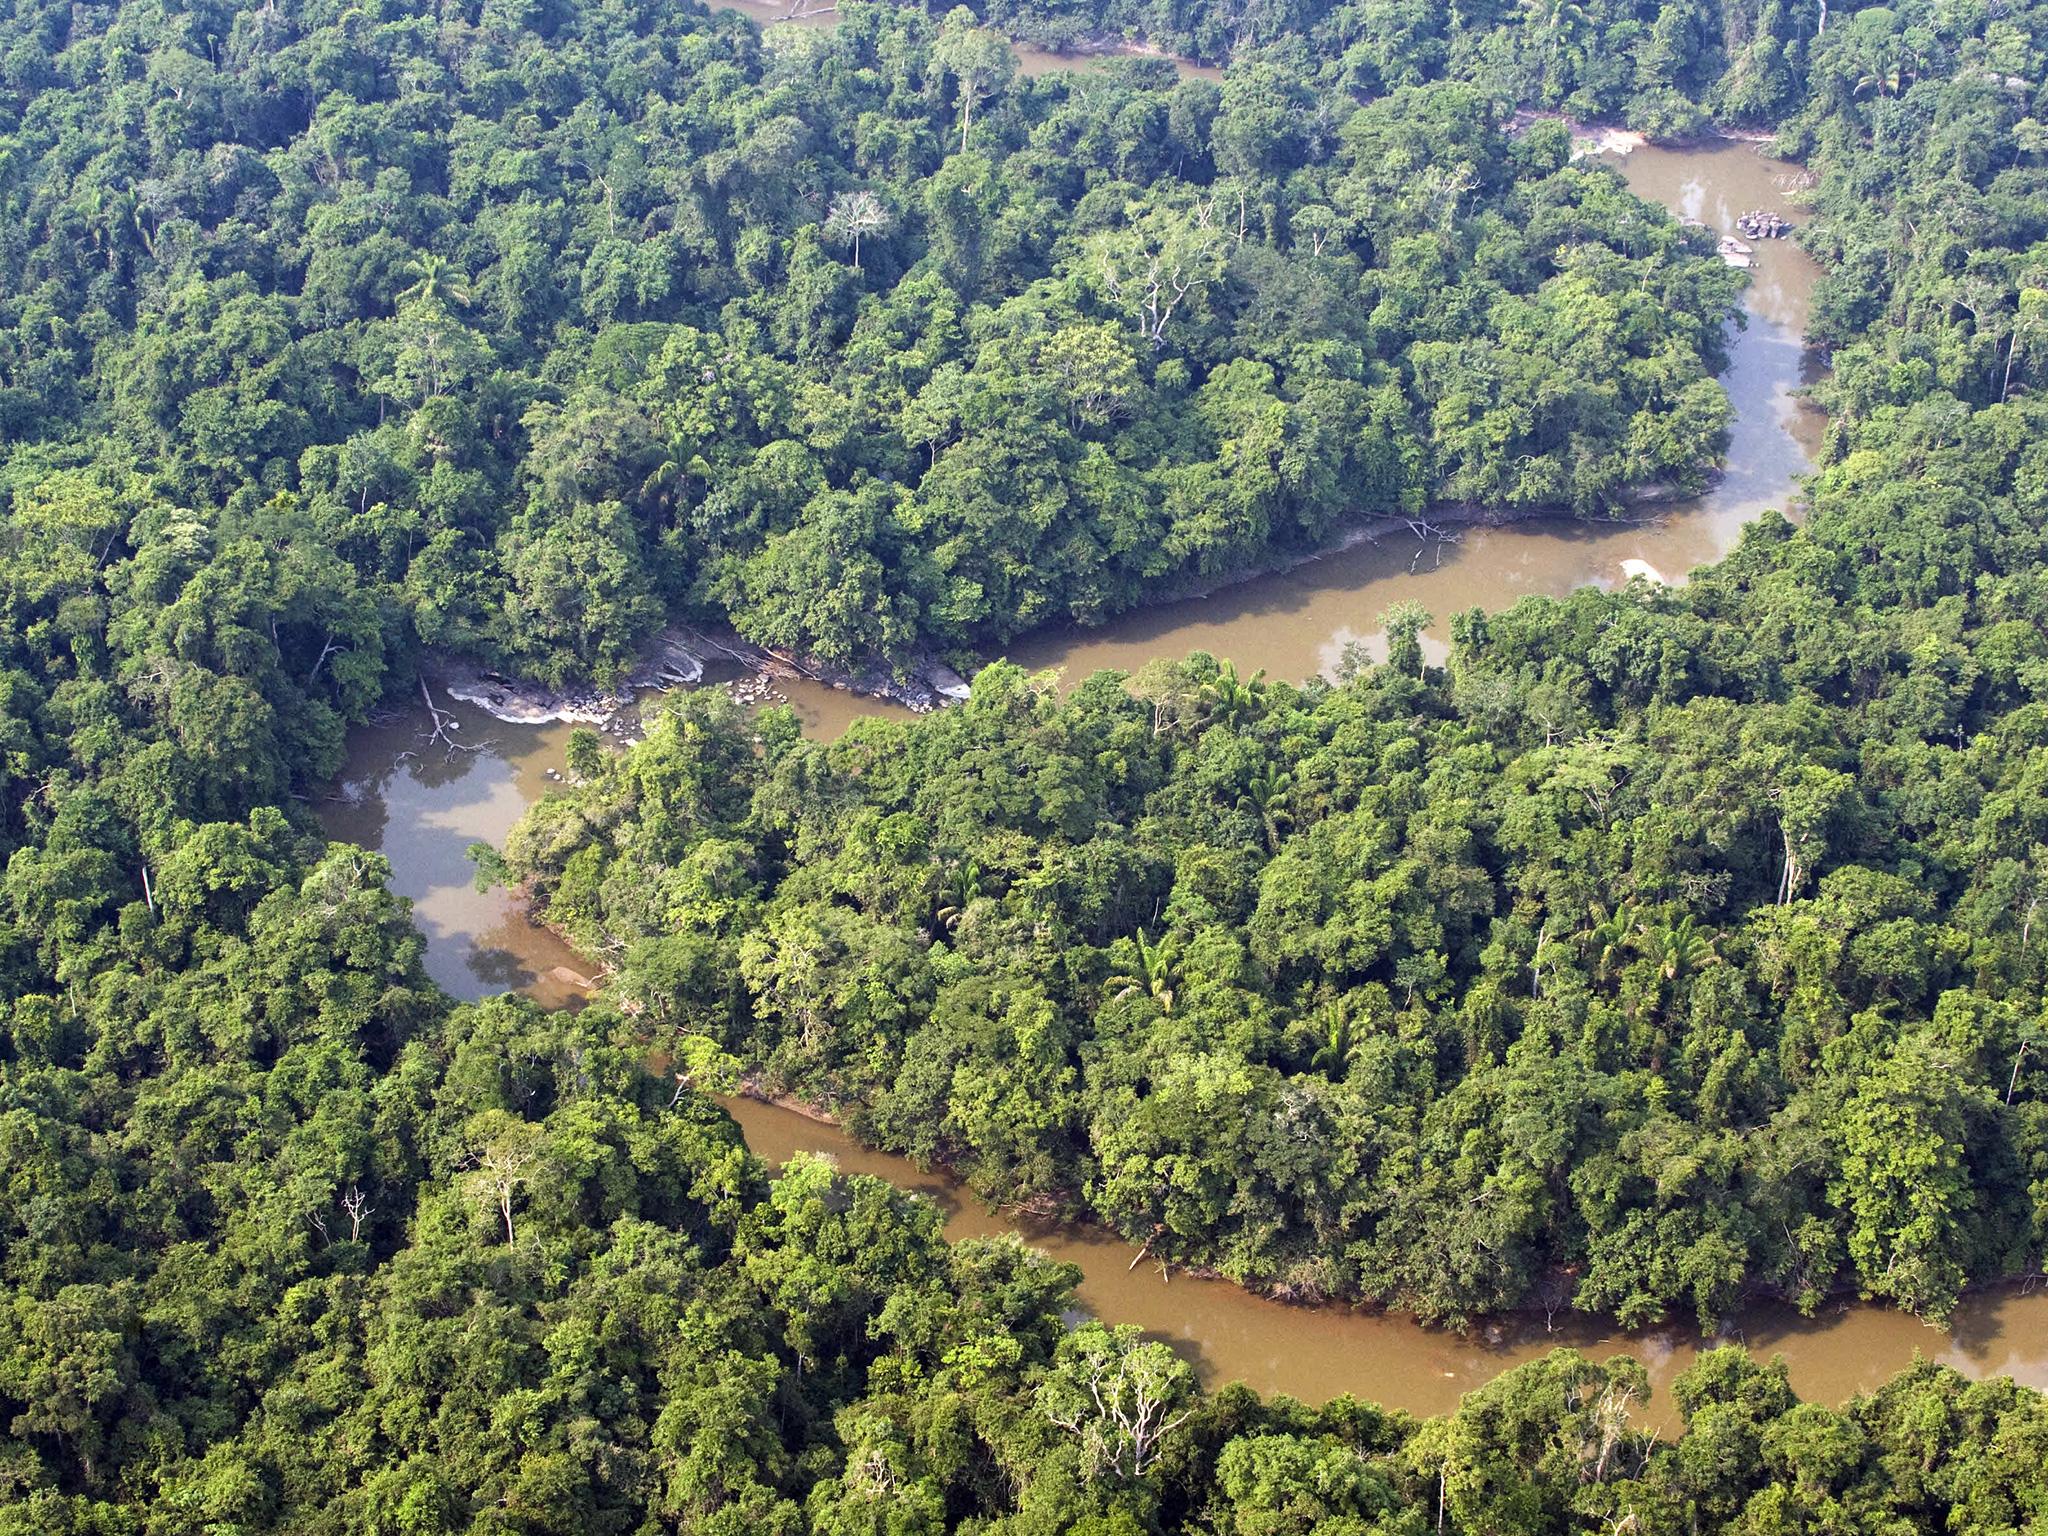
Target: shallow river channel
[(421, 806), (1316, 1353)]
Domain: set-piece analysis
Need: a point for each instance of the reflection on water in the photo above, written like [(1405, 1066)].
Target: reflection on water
[(1316, 1353), (822, 710), (826, 711), (421, 805)]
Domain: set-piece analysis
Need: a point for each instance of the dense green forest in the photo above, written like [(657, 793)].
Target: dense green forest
[(547, 329), (1663, 947), (296, 1251), (1668, 948)]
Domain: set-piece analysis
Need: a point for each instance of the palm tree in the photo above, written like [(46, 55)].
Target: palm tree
[(680, 463), (962, 890), (855, 215), (1157, 974), (1679, 949), (1231, 700), (1607, 939), (1265, 797), (2033, 309), (436, 282), (1560, 22), (1337, 1046)]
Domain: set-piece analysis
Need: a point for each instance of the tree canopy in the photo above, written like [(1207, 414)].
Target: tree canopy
[(1660, 949), (857, 339)]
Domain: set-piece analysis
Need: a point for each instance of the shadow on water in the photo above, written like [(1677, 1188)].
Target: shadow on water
[(421, 805)]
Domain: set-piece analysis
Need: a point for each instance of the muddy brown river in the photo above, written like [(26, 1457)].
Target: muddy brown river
[(1316, 1353), (422, 805), (1299, 622)]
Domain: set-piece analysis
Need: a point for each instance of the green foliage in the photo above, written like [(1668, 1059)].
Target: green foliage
[(1665, 948), (857, 340)]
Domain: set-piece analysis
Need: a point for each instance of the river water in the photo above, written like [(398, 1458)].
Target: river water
[(422, 805), (1299, 622), (1316, 1353)]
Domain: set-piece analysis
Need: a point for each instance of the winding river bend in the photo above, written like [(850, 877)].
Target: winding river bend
[(1298, 622), (422, 806)]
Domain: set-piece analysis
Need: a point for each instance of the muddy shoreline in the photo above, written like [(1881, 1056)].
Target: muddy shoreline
[(680, 654), (1441, 523), (1489, 1327)]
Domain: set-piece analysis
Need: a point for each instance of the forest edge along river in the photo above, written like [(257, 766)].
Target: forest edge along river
[(1299, 621), (1316, 1353), (421, 804)]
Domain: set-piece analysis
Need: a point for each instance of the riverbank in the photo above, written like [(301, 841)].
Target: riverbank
[(1440, 524), (1591, 138), (682, 654), (1315, 1353), (1297, 612), (1295, 616), (667, 662), (1587, 138), (1102, 47), (1072, 1216)]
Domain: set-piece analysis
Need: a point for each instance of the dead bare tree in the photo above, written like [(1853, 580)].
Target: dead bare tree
[(1155, 292), (443, 723), (2031, 1039), (1610, 1425), (503, 1159), (1116, 1395), (320, 661), (359, 1210)]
